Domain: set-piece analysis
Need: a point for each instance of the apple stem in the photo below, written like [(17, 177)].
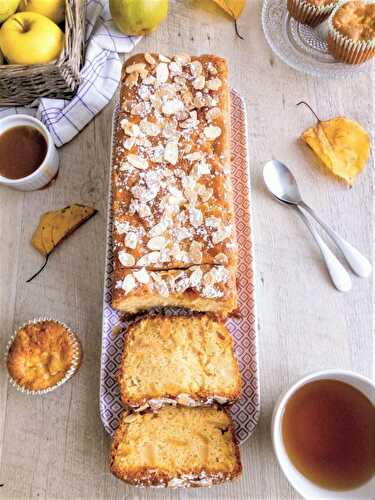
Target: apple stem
[(20, 24), (310, 108)]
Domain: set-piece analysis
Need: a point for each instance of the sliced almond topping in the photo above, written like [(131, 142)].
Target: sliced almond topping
[(149, 59), (164, 58), (199, 82), (129, 128), (151, 129), (149, 258), (138, 67), (195, 252), (195, 156), (221, 258), (159, 228), (212, 132), (131, 80), (162, 72), (213, 84), (129, 143), (126, 259), (204, 192), (221, 234), (196, 68), (149, 80), (156, 243), (137, 161), (195, 217), (213, 114), (172, 106), (142, 276), (128, 283), (171, 152), (175, 68), (196, 277), (131, 240), (182, 58)]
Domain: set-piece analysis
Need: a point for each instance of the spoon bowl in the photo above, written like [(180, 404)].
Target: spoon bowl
[(281, 182)]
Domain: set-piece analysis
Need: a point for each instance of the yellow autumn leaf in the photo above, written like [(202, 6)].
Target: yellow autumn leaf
[(342, 145), (233, 7)]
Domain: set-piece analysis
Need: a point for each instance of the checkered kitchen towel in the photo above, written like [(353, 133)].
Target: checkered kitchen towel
[(100, 76)]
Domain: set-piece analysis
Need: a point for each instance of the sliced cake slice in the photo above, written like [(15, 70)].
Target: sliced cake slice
[(187, 360), (176, 446)]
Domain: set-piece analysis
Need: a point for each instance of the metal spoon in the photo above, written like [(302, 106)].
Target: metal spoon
[(281, 182)]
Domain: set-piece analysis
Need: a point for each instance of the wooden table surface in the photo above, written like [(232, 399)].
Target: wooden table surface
[(55, 447)]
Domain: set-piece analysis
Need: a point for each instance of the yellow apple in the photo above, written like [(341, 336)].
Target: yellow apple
[(138, 17), (54, 9), (30, 38), (7, 8)]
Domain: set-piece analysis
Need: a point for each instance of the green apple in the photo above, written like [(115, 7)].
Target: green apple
[(54, 9), (30, 38), (7, 8), (138, 17)]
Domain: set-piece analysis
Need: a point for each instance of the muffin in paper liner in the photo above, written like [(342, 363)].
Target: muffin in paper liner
[(342, 47), (75, 362), (307, 13)]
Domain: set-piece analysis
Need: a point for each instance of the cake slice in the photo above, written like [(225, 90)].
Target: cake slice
[(187, 360), (198, 288), (176, 446)]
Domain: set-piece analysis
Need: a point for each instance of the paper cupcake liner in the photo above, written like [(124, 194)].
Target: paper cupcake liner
[(345, 49), (76, 359), (306, 13)]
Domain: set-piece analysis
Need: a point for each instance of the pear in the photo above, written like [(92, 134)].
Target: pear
[(138, 17), (7, 8)]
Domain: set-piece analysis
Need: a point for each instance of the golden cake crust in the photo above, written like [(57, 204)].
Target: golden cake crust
[(171, 188), (356, 20), (40, 355), (187, 360), (172, 194), (176, 447)]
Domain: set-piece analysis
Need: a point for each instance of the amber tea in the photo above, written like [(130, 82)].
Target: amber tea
[(328, 429)]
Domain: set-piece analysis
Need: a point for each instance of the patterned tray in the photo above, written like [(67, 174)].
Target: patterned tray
[(246, 411)]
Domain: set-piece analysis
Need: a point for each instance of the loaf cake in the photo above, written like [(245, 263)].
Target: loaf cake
[(186, 360), (199, 288), (172, 201), (177, 446)]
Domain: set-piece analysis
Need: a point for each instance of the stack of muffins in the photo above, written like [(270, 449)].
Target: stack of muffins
[(351, 25)]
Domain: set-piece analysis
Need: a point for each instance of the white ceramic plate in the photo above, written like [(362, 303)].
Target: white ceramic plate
[(300, 46)]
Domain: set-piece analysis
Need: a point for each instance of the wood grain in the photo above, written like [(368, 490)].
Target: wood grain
[(55, 447)]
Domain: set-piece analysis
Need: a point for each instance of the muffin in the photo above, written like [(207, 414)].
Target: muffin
[(42, 355), (311, 12), (351, 31)]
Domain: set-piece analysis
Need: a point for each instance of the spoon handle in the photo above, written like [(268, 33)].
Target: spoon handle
[(360, 265), (339, 276)]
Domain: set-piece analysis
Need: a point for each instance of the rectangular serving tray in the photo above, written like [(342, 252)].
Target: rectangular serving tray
[(243, 329)]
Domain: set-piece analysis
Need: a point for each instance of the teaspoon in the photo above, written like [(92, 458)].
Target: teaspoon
[(282, 184)]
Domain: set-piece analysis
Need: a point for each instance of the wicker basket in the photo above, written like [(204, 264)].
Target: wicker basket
[(20, 85)]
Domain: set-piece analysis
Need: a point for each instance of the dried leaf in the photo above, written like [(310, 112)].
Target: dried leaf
[(342, 145), (55, 226), (233, 7)]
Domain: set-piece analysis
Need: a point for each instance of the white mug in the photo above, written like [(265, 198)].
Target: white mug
[(304, 486), (47, 170)]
